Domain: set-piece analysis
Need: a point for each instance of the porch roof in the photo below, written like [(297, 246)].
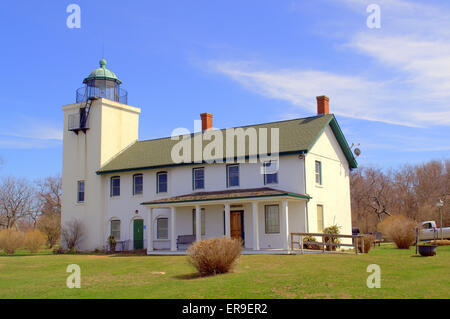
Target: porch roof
[(225, 195)]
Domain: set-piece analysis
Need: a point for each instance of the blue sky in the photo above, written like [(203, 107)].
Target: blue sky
[(244, 61)]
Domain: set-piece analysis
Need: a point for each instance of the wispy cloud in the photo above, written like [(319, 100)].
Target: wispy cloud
[(29, 133), (353, 96), (412, 44)]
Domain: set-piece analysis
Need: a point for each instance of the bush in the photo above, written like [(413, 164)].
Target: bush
[(214, 256), (310, 245), (51, 226), (34, 240), (59, 250), (10, 240), (72, 234), (335, 229), (368, 242), (399, 229)]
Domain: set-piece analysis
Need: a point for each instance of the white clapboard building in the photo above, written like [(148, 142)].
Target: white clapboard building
[(143, 195)]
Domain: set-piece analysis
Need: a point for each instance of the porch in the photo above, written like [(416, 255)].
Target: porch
[(262, 218)]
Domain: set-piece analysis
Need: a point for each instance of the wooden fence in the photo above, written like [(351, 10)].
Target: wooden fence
[(326, 243)]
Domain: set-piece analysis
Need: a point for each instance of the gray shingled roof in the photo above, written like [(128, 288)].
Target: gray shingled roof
[(296, 136)]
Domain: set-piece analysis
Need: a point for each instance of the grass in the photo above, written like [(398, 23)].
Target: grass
[(256, 276)]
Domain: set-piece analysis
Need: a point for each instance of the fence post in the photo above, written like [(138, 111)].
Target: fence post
[(356, 244), (417, 238), (301, 244)]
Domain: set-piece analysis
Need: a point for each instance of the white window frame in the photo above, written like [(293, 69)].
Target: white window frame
[(238, 175), (113, 231), (158, 225), (323, 218), (157, 182), (318, 173), (266, 219), (112, 186), (79, 183), (265, 173), (194, 187), (134, 184)]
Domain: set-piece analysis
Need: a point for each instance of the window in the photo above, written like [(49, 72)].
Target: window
[(115, 186), (162, 228), (198, 178), (202, 217), (232, 175), (138, 184), (272, 219), (161, 182), (115, 229), (80, 196), (270, 172), (318, 173), (319, 218)]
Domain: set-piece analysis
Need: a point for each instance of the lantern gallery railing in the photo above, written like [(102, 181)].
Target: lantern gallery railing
[(111, 93)]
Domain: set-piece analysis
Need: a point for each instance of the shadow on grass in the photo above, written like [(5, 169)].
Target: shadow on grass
[(25, 255), (194, 275)]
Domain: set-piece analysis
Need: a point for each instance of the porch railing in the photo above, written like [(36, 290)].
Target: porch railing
[(326, 243)]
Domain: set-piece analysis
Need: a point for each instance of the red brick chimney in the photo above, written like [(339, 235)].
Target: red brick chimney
[(323, 105), (206, 121)]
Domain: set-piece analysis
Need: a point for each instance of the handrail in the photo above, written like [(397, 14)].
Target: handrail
[(324, 243)]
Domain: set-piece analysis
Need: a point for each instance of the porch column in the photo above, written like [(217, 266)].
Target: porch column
[(227, 221), (285, 224), (173, 230), (198, 223), (150, 230), (255, 225)]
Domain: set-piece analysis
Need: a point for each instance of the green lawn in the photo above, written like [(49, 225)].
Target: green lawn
[(256, 276)]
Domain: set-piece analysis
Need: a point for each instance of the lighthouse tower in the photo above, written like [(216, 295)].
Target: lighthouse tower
[(99, 125)]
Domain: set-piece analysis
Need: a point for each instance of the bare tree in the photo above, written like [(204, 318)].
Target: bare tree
[(49, 194), (16, 200), (72, 234), (411, 190)]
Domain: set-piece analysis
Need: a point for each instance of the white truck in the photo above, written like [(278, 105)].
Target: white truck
[(429, 230)]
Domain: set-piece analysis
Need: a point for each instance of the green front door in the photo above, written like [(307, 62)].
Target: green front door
[(138, 233)]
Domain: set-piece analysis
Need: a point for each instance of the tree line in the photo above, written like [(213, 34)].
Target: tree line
[(410, 190), (26, 205)]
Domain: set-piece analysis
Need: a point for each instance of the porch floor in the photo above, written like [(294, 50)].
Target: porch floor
[(245, 251)]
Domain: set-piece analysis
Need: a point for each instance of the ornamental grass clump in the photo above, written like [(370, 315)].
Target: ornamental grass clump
[(34, 240), (11, 240), (400, 229), (214, 256), (368, 242)]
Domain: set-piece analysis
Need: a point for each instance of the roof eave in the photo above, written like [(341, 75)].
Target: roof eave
[(228, 199)]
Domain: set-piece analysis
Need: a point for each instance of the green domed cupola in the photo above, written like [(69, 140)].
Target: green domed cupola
[(102, 83), (102, 73)]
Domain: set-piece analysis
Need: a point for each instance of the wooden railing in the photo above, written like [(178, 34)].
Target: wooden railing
[(325, 243)]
